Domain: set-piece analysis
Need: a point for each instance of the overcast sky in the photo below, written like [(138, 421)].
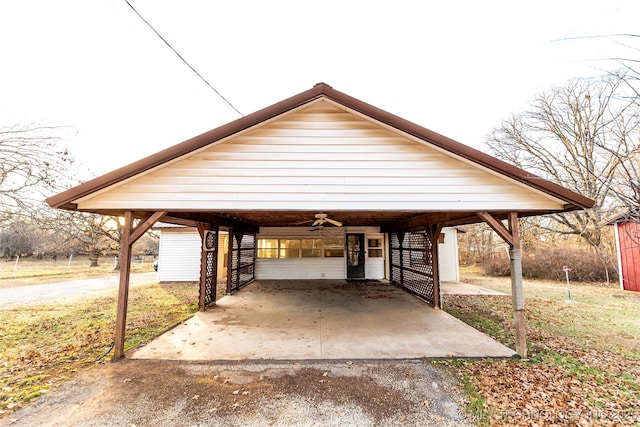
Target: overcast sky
[(455, 67)]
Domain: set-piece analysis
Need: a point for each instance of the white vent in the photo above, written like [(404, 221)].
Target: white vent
[(209, 242)]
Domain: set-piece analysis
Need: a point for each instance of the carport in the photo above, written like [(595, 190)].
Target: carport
[(316, 186)]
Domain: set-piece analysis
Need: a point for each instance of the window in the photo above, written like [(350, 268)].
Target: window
[(375, 248), (268, 248), (300, 248), (289, 248), (311, 248), (333, 248)]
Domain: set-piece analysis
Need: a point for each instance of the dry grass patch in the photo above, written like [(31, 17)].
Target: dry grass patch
[(32, 271), (584, 366), (43, 345)]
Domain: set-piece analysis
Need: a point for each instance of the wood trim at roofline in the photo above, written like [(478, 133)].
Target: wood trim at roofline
[(574, 200)]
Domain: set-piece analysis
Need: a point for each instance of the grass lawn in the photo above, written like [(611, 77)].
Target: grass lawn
[(584, 356), (43, 345), (31, 271)]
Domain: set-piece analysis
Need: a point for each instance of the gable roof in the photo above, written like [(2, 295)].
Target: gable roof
[(625, 215), (66, 199)]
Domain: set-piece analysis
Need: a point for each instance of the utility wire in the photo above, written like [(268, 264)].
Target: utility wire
[(183, 60)]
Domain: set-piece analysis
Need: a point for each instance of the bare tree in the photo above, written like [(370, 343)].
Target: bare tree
[(569, 136), (626, 69), (93, 234), (32, 163)]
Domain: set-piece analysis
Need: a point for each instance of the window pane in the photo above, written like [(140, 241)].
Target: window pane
[(268, 243), (333, 248), (375, 243), (289, 253), (375, 253), (266, 253), (289, 248), (289, 244), (311, 248), (267, 248), (375, 248)]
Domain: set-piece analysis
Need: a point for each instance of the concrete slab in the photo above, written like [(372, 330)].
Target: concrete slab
[(461, 288), (298, 320)]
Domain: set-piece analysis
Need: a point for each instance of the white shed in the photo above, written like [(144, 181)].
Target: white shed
[(180, 252)]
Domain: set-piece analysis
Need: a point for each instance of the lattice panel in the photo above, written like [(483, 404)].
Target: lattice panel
[(243, 261), (209, 282), (412, 263), (396, 259)]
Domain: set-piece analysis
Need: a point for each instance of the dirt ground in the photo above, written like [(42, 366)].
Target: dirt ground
[(338, 393)]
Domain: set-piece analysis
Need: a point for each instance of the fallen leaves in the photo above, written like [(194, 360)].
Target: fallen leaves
[(568, 381)]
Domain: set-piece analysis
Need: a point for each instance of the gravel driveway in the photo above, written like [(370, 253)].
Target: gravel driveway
[(341, 393)]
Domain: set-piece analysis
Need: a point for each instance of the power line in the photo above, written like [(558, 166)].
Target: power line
[(181, 58)]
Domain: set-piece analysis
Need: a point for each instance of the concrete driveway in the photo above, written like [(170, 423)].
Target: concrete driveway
[(313, 320)]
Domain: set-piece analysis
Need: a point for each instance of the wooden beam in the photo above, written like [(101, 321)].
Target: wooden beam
[(145, 225), (422, 221), (182, 221), (497, 226), (221, 220), (123, 290), (514, 228)]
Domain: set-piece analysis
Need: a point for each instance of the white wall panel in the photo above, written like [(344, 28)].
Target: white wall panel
[(321, 157), (448, 265), (179, 256), (300, 268)]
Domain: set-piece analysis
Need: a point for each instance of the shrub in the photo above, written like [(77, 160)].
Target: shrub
[(547, 263)]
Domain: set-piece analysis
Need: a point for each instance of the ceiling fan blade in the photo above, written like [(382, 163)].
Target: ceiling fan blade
[(318, 222), (334, 222), (304, 222)]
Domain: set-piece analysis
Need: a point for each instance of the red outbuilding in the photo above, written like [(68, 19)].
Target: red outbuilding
[(627, 232)]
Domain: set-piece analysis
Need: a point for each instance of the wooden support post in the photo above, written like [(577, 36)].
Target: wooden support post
[(129, 236), (123, 290), (517, 294), (512, 237)]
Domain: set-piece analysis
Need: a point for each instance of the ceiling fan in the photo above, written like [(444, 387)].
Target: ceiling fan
[(320, 220)]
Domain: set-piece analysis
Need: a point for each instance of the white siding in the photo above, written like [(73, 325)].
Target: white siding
[(314, 268), (300, 268), (448, 265), (321, 157), (179, 256)]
